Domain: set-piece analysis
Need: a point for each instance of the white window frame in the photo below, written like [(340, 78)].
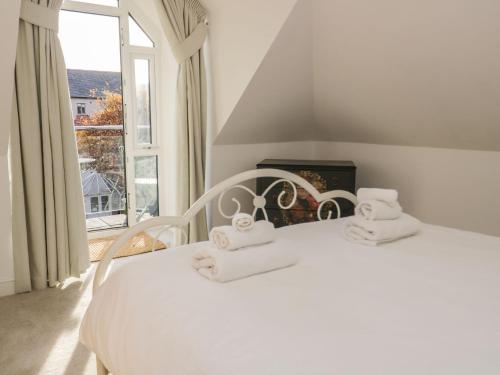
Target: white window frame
[(151, 57), (128, 53)]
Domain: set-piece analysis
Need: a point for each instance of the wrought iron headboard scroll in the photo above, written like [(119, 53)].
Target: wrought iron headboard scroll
[(220, 190)]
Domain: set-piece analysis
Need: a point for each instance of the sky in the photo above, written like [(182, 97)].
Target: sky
[(90, 41)]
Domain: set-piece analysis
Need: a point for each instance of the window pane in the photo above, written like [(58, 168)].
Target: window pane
[(104, 203), (91, 47), (137, 36), (146, 187), (94, 204), (142, 101), (90, 41), (111, 3)]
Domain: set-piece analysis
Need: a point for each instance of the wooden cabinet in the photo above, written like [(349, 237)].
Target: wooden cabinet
[(322, 174)]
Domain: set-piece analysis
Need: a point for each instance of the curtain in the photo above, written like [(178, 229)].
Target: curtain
[(48, 223), (183, 22)]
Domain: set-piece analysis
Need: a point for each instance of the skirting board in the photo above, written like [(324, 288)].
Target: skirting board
[(7, 288)]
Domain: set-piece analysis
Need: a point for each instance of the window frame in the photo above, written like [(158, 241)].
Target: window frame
[(152, 99), (133, 149), (142, 29)]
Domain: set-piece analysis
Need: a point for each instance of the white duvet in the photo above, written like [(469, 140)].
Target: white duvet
[(429, 304)]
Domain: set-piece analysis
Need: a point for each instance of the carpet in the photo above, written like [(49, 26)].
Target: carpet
[(39, 330), (141, 243)]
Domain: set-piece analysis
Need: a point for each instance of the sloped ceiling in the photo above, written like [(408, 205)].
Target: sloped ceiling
[(277, 104), (400, 72), (405, 72)]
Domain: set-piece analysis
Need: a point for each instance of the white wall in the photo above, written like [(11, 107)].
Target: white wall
[(391, 72), (9, 15), (454, 188), (240, 35), (91, 106), (277, 104)]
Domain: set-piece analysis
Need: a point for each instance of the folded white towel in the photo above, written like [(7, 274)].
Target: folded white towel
[(375, 232), (243, 222), (220, 265), (378, 210), (384, 195), (228, 238)]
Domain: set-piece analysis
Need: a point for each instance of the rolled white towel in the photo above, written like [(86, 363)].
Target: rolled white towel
[(228, 238), (220, 265), (378, 210), (376, 232), (243, 222), (384, 195)]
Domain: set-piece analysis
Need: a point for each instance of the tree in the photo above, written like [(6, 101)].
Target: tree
[(111, 112), (105, 146)]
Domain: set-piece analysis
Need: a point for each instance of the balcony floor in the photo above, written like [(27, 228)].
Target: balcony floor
[(107, 222)]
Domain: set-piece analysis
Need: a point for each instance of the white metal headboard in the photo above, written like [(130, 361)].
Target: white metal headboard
[(220, 190)]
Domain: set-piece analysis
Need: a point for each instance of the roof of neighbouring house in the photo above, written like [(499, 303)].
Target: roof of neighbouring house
[(95, 183), (91, 84)]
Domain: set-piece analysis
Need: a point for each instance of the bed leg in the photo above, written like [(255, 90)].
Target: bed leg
[(101, 370)]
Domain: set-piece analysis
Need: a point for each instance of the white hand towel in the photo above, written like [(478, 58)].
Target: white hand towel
[(220, 265), (228, 238), (384, 195), (243, 222), (378, 210), (376, 232)]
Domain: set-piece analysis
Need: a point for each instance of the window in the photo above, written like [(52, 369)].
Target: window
[(112, 78), (94, 204), (146, 187), (80, 108), (104, 203), (137, 35), (143, 101)]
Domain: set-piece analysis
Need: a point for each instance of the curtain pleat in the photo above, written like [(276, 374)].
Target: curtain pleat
[(180, 20), (49, 235)]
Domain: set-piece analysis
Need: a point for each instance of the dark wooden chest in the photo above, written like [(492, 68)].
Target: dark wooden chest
[(324, 175)]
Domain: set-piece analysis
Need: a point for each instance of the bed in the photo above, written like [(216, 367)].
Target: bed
[(428, 304)]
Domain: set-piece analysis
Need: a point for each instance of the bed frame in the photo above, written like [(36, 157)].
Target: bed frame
[(164, 223)]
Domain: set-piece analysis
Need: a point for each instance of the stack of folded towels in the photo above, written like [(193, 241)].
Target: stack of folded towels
[(242, 249), (379, 218)]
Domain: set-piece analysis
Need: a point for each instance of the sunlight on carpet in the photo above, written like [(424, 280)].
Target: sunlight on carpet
[(139, 244)]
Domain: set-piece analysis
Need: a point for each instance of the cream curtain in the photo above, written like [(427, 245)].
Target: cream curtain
[(49, 238), (184, 24)]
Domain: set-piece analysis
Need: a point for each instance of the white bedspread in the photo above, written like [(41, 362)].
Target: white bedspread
[(429, 304)]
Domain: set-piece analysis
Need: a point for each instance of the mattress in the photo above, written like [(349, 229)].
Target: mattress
[(429, 304)]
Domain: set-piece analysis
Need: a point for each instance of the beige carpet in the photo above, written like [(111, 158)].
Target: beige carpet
[(141, 243), (39, 331)]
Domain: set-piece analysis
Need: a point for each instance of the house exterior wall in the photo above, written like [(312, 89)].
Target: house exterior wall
[(91, 106)]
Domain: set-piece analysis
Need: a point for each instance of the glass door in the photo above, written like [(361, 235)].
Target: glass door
[(91, 47), (111, 62)]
